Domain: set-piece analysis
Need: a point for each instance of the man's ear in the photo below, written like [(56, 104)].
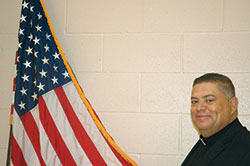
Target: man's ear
[(234, 104)]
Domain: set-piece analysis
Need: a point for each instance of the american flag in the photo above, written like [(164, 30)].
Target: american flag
[(53, 122)]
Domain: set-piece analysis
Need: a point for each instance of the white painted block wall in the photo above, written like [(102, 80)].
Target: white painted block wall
[(136, 60)]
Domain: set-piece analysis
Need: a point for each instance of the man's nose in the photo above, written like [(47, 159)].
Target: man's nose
[(201, 106)]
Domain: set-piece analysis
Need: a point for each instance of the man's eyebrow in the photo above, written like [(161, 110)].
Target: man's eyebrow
[(194, 98), (209, 95)]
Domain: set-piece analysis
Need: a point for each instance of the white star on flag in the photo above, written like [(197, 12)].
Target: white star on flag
[(20, 45), (56, 55), (46, 47), (66, 74), (39, 16), (23, 91), (22, 105), (29, 50), (31, 8), (45, 60), (34, 82), (25, 78), (54, 79), (34, 96), (36, 41), (48, 36), (38, 28), (35, 54), (27, 64), (30, 36), (55, 67), (40, 87), (23, 18), (25, 5), (43, 73), (21, 31)]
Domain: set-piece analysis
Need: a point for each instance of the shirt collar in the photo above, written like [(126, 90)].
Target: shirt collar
[(212, 139)]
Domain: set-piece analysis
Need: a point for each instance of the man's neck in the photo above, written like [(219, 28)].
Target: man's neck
[(207, 134)]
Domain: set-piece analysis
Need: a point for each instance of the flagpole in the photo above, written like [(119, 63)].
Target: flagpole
[(8, 161), (9, 147)]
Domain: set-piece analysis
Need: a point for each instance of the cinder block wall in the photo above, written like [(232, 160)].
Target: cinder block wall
[(136, 60)]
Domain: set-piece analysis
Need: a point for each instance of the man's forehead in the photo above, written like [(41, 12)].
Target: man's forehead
[(205, 89), (205, 86)]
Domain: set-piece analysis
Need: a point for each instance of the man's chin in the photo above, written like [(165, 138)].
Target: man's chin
[(202, 125)]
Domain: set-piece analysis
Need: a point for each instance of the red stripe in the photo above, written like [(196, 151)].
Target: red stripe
[(33, 133), (53, 134), (80, 133), (14, 84), (16, 154), (16, 57), (12, 109)]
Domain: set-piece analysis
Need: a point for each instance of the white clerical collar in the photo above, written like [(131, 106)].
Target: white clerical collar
[(202, 141)]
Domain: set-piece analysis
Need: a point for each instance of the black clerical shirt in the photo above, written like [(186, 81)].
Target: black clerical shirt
[(204, 144)]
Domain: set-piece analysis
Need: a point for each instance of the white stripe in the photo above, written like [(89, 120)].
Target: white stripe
[(63, 126), (35, 113), (13, 97), (89, 125), (47, 151), (23, 141)]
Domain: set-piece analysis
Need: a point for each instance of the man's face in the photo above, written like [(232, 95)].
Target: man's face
[(210, 110)]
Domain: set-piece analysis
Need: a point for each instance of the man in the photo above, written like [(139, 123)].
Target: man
[(214, 111)]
